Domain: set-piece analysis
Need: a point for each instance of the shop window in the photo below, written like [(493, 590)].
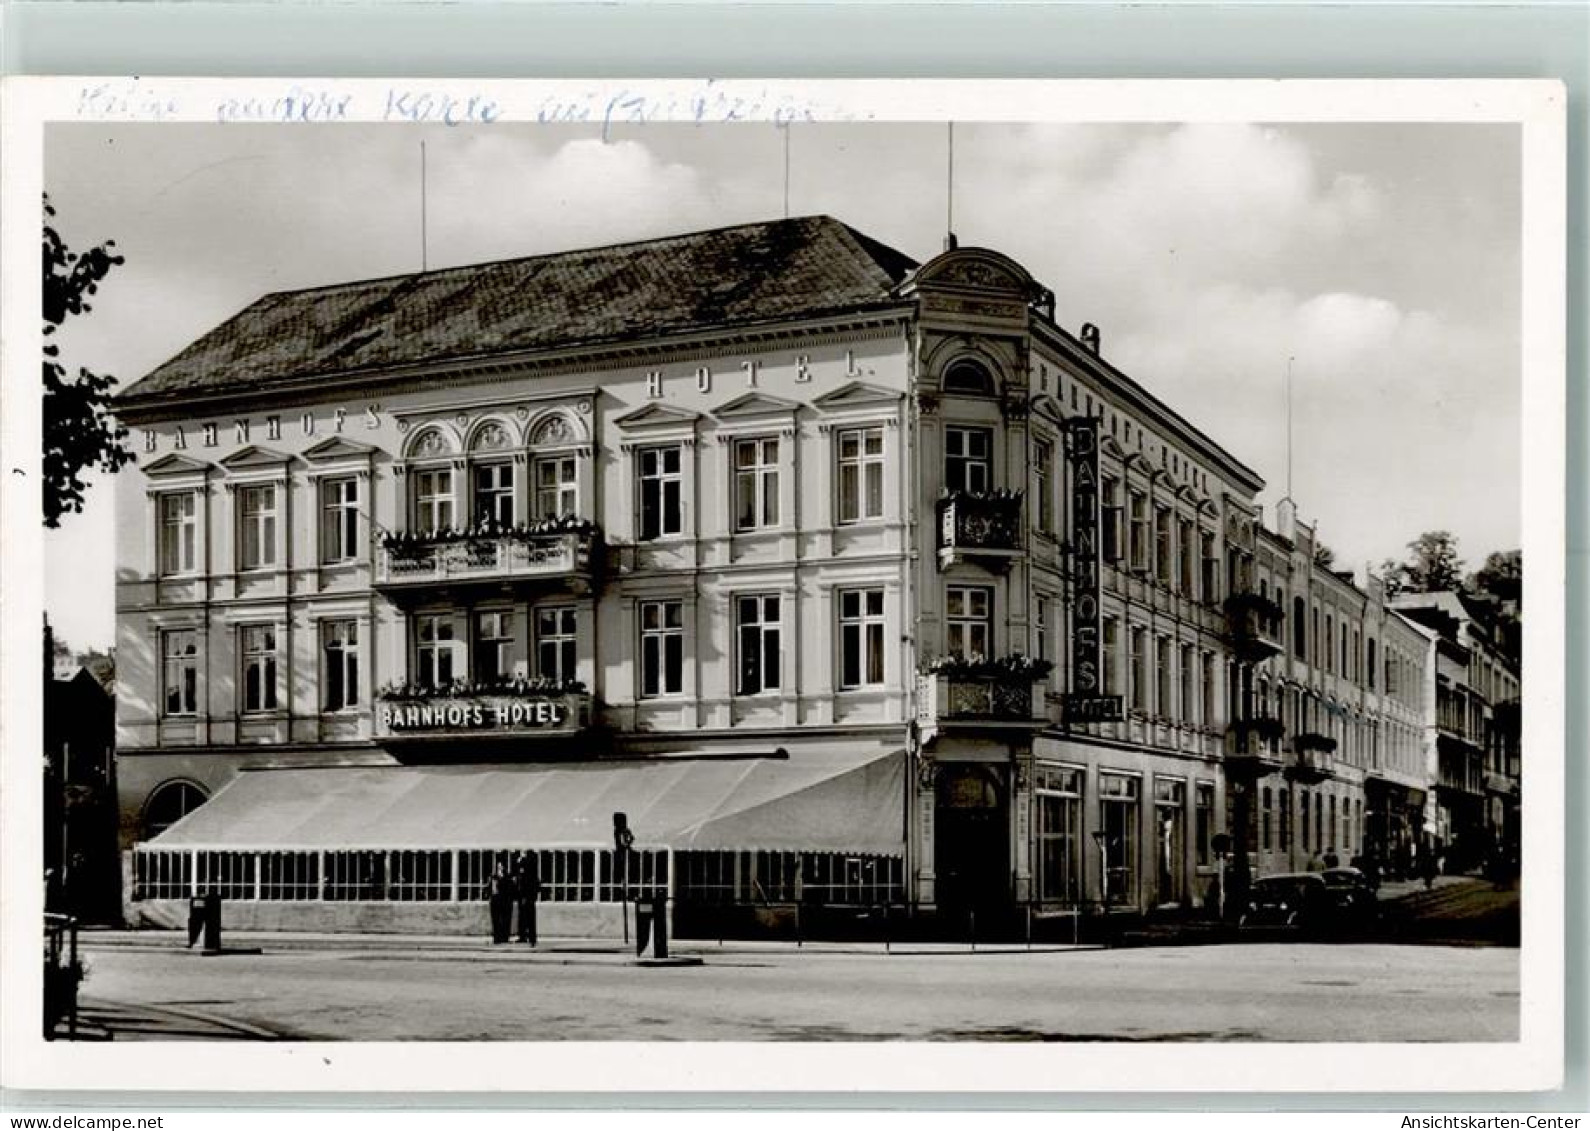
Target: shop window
[(1058, 791), (1170, 818), (1118, 804)]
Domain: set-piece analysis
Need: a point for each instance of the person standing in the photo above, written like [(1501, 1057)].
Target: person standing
[(527, 885), (500, 901)]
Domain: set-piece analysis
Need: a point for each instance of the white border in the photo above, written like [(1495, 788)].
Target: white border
[(1535, 1062)]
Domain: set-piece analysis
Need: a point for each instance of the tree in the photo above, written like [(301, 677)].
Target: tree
[(1324, 556), (1433, 564), (1501, 577), (78, 433), (1393, 575)]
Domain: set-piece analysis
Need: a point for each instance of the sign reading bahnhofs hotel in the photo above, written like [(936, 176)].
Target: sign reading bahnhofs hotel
[(1087, 701), (473, 714)]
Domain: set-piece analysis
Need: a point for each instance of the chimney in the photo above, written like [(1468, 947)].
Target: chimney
[(950, 242), (1090, 338)]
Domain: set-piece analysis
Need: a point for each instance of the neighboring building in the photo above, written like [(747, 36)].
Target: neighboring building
[(82, 869), (1476, 728), (847, 580)]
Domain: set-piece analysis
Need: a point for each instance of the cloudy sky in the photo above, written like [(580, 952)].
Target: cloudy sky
[(1384, 259)]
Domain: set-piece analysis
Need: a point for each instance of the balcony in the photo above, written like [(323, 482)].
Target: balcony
[(979, 526), (984, 694), (518, 710), (1253, 627), (1313, 759), (1253, 747), (562, 552)]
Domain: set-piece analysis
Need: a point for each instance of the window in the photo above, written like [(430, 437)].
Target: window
[(557, 488), (860, 638), (494, 646), (759, 619), (1284, 800), (1211, 568), (662, 648), (259, 667), (180, 686), (1110, 518), (555, 644), (1189, 699), (1205, 816), (860, 474), (433, 500), (1162, 559), (1330, 642), (966, 459), (1266, 818), (755, 484), (434, 660), (1111, 649), (1369, 662), (339, 519), (967, 377), (1138, 503), (1040, 627), (1162, 704), (1118, 821), (339, 651), (1043, 461), (1209, 714), (167, 805), (1303, 824), (1059, 798), (1170, 818), (179, 532), (494, 494), (661, 492), (258, 532), (967, 626), (1185, 548), (1139, 669), (1299, 628)]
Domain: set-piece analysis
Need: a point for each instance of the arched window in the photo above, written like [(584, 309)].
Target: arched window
[(967, 377), (168, 804)]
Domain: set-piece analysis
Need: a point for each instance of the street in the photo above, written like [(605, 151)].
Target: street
[(391, 990)]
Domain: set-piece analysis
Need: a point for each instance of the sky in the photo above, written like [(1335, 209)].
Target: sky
[(1381, 262)]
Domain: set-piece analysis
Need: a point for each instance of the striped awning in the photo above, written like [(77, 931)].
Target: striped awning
[(843, 801)]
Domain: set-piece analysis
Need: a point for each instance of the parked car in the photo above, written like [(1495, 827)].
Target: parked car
[(1352, 896), (1291, 899)]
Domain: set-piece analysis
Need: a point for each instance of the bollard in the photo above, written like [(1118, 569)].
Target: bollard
[(659, 926), (212, 924), (643, 926)]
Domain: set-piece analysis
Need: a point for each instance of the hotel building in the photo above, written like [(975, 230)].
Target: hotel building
[(848, 581)]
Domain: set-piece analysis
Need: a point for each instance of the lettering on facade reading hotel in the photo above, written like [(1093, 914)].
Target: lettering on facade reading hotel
[(1087, 701), (475, 716)]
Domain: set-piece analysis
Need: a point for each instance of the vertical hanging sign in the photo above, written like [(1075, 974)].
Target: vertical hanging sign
[(1086, 701)]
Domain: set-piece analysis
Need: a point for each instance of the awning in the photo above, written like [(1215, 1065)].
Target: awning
[(840, 801)]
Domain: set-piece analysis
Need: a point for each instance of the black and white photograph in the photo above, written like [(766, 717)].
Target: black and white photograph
[(614, 572)]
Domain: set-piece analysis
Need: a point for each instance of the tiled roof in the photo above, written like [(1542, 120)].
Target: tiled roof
[(731, 276)]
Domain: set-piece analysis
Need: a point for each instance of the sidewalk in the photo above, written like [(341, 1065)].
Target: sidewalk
[(565, 951), (99, 1020)]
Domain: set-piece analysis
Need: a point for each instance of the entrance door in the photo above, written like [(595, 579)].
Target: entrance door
[(971, 844)]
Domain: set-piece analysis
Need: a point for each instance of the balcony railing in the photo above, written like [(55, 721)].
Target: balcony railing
[(461, 711), (1253, 746), (1253, 627), (572, 553), (983, 525), (1313, 759), (982, 691)]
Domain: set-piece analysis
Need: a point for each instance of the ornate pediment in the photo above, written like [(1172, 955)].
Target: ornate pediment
[(1047, 407), (857, 394), (336, 448), (754, 404), (657, 416), (174, 464), (254, 456), (976, 268)]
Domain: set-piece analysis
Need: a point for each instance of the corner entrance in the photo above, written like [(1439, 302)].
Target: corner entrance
[(971, 842)]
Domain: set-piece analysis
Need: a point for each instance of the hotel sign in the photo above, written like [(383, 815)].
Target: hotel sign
[(1086, 701), (473, 714)]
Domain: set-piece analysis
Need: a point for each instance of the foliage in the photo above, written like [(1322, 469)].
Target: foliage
[(1501, 577), (1432, 566), (1258, 603), (78, 433), (400, 691), (413, 543), (1012, 667), (997, 496), (1324, 556)]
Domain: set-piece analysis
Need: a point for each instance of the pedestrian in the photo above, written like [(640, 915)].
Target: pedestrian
[(1331, 859), (500, 902), (1428, 867), (527, 886), (1315, 863)]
